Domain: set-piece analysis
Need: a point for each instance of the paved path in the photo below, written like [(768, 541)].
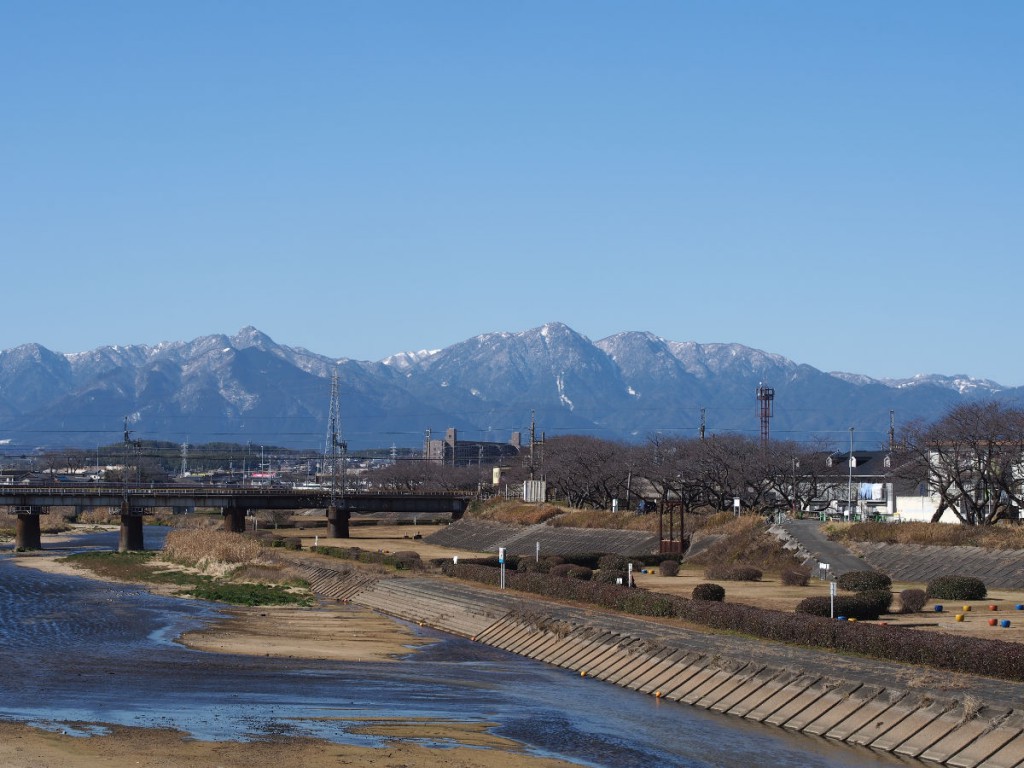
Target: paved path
[(812, 544)]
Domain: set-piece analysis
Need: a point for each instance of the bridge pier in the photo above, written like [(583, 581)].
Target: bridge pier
[(26, 530), (234, 520), (131, 531), (337, 522)]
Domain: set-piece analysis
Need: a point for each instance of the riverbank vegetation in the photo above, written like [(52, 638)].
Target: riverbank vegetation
[(206, 564), (54, 520)]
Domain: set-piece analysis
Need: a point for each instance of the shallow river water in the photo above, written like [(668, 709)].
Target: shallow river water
[(76, 653)]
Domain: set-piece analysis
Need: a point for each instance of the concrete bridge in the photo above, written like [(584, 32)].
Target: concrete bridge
[(133, 501)]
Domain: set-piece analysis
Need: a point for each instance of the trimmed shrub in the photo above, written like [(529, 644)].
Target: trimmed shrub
[(612, 562), (669, 568), (606, 576), (586, 559), (795, 577), (863, 581), (851, 606), (957, 588), (876, 599), (732, 573), (528, 565), (407, 560), (571, 571), (709, 592), (550, 561), (913, 600)]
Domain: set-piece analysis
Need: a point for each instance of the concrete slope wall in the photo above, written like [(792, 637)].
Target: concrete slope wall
[(855, 701), (999, 569)]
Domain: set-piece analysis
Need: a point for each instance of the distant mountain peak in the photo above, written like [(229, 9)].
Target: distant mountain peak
[(252, 337)]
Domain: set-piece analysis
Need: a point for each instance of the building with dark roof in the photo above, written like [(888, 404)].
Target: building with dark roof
[(464, 453)]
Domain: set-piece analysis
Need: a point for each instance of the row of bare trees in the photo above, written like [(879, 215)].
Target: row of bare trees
[(972, 459), (590, 472)]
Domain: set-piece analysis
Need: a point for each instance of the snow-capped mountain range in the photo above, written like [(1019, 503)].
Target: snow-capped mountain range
[(246, 388)]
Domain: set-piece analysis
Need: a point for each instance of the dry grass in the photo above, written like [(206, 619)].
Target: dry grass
[(746, 541), (932, 534), (55, 520), (514, 512), (601, 518), (264, 573), (208, 550), (100, 516)]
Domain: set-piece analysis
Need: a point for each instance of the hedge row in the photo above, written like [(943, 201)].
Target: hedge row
[(398, 560), (977, 656)]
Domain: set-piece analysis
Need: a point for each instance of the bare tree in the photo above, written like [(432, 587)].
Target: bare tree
[(798, 474), (416, 475), (972, 459), (586, 471), (402, 475), (733, 466)]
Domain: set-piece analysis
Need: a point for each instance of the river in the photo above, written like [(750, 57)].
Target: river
[(77, 653)]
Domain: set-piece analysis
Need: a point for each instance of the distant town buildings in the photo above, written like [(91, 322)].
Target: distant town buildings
[(464, 453)]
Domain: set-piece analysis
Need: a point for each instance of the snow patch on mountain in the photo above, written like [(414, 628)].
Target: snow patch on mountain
[(403, 361), (562, 397)]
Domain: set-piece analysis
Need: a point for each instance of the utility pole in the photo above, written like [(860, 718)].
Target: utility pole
[(849, 490), (892, 431), (703, 423), (533, 438)]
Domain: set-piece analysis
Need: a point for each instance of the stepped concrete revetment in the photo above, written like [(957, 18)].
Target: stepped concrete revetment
[(928, 715)]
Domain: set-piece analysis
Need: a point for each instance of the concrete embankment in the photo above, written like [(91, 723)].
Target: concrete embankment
[(925, 714)]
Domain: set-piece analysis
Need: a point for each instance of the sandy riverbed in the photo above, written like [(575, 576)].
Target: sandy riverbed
[(333, 632), (24, 747)]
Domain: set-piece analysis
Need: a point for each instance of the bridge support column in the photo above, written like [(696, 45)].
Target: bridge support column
[(131, 531), (26, 530), (337, 522), (234, 520)]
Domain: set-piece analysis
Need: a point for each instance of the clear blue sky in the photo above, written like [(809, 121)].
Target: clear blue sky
[(839, 183)]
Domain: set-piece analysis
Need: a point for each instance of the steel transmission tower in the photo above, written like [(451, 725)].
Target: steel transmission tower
[(334, 454)]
